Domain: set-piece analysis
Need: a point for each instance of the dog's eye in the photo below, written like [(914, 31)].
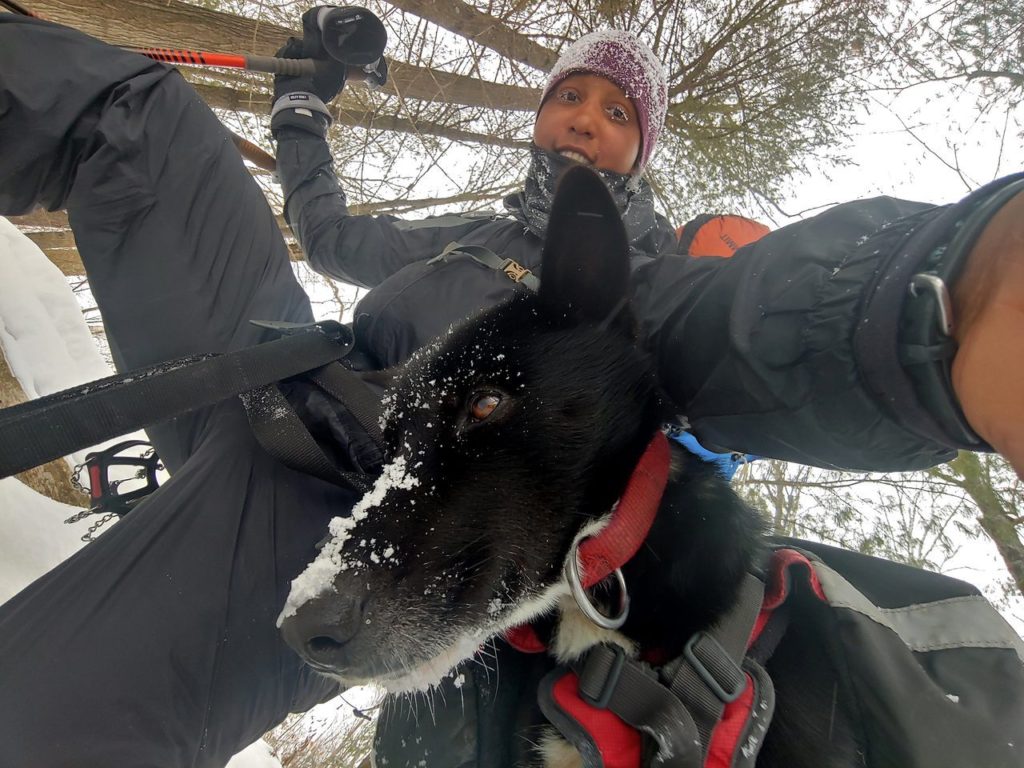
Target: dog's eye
[(482, 405)]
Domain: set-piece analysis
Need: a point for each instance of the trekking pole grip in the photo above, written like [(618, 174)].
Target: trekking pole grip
[(278, 66)]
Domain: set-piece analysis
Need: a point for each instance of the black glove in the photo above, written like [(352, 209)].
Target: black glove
[(334, 38), (301, 101), (352, 35)]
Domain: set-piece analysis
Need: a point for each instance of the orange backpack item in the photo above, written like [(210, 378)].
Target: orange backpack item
[(718, 235)]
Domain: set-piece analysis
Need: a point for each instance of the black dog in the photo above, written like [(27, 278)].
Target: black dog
[(508, 439)]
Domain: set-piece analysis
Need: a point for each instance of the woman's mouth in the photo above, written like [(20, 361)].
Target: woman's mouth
[(576, 157)]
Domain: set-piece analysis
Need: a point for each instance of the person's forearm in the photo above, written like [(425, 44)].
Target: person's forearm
[(988, 304), (762, 352)]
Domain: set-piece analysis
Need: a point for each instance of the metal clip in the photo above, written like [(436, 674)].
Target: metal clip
[(922, 282), (583, 599)]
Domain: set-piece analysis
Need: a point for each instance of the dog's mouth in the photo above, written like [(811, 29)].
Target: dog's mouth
[(409, 660), (429, 673)]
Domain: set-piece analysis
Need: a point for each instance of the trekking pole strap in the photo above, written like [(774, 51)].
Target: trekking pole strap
[(47, 428)]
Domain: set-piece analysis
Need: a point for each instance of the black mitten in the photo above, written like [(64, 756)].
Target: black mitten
[(334, 38)]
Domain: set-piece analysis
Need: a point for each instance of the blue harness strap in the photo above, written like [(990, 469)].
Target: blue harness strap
[(727, 463)]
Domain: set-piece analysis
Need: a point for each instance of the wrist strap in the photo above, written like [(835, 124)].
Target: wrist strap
[(302, 102), (927, 346)]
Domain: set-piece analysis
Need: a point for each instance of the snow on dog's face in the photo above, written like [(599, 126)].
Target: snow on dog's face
[(490, 434)]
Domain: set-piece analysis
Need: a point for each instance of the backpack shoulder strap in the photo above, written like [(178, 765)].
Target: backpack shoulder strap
[(511, 268)]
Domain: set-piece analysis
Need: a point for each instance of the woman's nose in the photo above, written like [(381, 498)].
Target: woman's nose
[(583, 121)]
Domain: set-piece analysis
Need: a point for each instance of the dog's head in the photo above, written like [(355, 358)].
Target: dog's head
[(504, 439)]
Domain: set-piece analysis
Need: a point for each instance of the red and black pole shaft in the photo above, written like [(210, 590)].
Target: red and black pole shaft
[(271, 64), (17, 8)]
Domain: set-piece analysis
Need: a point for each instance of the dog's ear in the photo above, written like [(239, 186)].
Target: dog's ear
[(585, 267)]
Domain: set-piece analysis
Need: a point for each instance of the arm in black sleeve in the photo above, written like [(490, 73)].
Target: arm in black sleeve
[(361, 250), (790, 349), (179, 244)]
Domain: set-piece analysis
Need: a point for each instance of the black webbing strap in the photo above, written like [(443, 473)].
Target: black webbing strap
[(360, 401), (281, 433), (681, 714), (710, 674), (47, 428), (630, 689)]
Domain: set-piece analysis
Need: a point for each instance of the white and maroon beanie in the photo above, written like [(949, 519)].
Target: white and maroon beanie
[(631, 65)]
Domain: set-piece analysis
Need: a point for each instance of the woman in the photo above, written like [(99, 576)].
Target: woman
[(157, 645)]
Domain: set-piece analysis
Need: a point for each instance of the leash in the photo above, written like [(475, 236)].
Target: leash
[(49, 427)]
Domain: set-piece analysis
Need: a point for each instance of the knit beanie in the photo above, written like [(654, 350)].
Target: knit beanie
[(631, 65)]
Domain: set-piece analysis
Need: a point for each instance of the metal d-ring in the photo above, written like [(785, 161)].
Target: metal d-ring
[(583, 599)]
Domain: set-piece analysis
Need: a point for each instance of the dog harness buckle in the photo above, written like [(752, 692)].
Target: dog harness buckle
[(715, 667), (594, 671)]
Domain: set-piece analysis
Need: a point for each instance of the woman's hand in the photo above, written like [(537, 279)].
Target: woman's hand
[(988, 312)]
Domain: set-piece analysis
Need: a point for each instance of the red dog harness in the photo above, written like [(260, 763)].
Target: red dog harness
[(713, 695), (603, 704)]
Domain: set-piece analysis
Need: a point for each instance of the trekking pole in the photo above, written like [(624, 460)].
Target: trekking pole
[(14, 7), (271, 64), (372, 74), (369, 74), (254, 154)]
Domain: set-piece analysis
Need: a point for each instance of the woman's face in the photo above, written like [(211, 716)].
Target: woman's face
[(590, 119)]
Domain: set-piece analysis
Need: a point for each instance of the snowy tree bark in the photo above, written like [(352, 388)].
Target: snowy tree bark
[(53, 479)]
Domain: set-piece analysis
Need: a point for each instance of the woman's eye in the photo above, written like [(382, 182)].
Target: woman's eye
[(482, 406), (618, 114), (568, 94)]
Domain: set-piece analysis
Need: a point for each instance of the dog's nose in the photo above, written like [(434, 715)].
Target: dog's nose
[(322, 631)]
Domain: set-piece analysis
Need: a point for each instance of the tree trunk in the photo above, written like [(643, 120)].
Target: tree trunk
[(53, 479), (51, 232), (999, 519)]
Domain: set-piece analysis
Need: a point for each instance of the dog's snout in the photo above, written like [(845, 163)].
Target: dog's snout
[(324, 630)]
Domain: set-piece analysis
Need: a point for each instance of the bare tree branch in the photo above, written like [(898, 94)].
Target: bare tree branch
[(472, 24)]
